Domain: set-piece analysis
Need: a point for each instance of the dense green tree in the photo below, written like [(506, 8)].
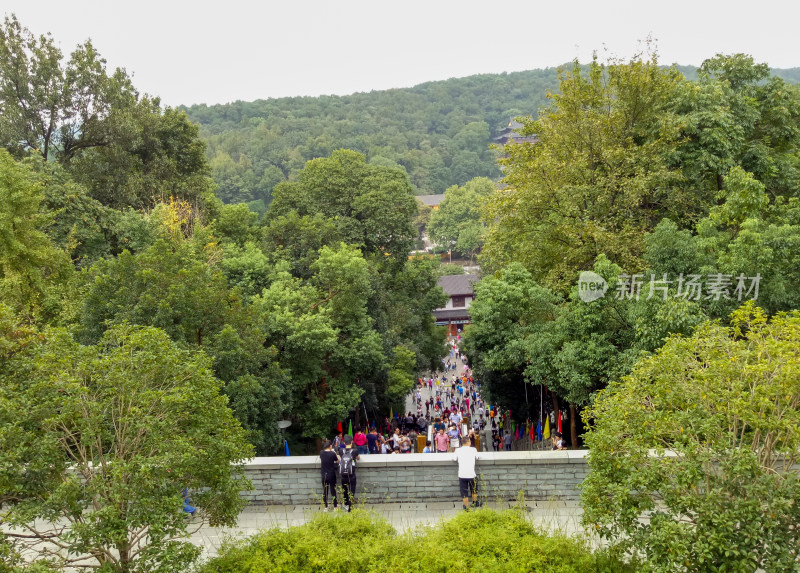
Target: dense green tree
[(439, 132), (523, 332), (123, 148), (297, 239), (153, 155), (372, 206), (104, 438), (49, 106), (178, 285), (32, 269), (597, 179), (324, 336), (700, 438), (457, 224), (735, 114)]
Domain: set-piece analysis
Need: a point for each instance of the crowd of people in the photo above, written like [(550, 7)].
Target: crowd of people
[(447, 415)]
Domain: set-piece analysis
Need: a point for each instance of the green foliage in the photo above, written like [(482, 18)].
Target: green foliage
[(124, 149), (597, 178), (177, 285), (481, 540), (371, 206), (50, 107), (457, 223), (700, 439), (324, 336), (105, 437), (439, 132), (401, 375), (23, 245), (156, 155), (33, 272), (447, 269)]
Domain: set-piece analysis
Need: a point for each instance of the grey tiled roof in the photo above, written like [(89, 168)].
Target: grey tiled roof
[(431, 200), (451, 314), (458, 284)]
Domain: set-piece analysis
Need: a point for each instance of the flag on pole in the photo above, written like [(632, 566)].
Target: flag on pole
[(559, 422), (547, 427), (533, 433), (391, 414), (539, 430), (339, 427), (350, 428), (286, 447)]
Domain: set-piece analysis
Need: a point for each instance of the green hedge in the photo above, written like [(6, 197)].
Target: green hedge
[(484, 540)]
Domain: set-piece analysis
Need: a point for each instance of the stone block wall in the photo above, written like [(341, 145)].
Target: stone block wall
[(542, 475)]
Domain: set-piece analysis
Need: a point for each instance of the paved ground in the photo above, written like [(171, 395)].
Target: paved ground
[(552, 516)]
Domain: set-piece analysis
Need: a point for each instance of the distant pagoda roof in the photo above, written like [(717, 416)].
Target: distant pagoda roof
[(510, 133)]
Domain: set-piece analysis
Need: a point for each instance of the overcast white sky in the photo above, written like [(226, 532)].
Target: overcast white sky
[(217, 52)]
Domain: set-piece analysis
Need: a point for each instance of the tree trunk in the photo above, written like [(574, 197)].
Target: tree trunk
[(555, 404), (573, 425)]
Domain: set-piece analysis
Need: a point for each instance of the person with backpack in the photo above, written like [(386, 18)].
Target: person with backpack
[(328, 461), (347, 471)]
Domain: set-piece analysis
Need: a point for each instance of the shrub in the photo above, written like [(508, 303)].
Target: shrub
[(483, 540)]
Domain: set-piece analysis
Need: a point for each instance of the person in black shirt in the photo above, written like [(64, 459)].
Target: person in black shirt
[(329, 461), (349, 479), (372, 441)]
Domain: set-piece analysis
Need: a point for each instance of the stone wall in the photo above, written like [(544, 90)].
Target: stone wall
[(545, 475)]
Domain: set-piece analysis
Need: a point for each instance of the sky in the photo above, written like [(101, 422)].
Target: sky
[(218, 52)]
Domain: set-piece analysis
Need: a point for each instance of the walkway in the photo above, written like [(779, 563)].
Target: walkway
[(552, 516)]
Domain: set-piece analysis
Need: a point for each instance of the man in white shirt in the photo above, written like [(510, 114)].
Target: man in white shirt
[(466, 456)]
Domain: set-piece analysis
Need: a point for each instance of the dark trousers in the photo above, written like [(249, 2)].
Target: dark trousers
[(329, 483), (349, 489)]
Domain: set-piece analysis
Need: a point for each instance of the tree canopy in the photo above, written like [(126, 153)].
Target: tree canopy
[(106, 437), (700, 437)]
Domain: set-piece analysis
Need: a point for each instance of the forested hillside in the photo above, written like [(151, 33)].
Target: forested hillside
[(439, 132)]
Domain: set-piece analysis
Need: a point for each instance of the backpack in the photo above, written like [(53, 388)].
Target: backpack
[(346, 464)]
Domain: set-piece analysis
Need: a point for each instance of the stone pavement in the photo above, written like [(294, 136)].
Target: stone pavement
[(551, 516)]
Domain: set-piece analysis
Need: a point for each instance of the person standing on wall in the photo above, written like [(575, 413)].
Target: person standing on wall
[(328, 464), (347, 471), (466, 456)]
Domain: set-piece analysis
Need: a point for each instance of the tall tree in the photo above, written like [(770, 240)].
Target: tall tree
[(457, 222), (597, 179), (103, 439), (124, 148), (372, 206), (53, 107), (701, 438)]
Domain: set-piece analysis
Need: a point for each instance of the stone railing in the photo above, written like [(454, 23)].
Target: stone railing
[(546, 475)]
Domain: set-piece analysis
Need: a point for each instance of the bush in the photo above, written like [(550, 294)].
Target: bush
[(483, 540), (700, 440)]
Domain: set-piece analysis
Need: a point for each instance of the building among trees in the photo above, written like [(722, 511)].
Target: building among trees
[(510, 133), (455, 314)]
